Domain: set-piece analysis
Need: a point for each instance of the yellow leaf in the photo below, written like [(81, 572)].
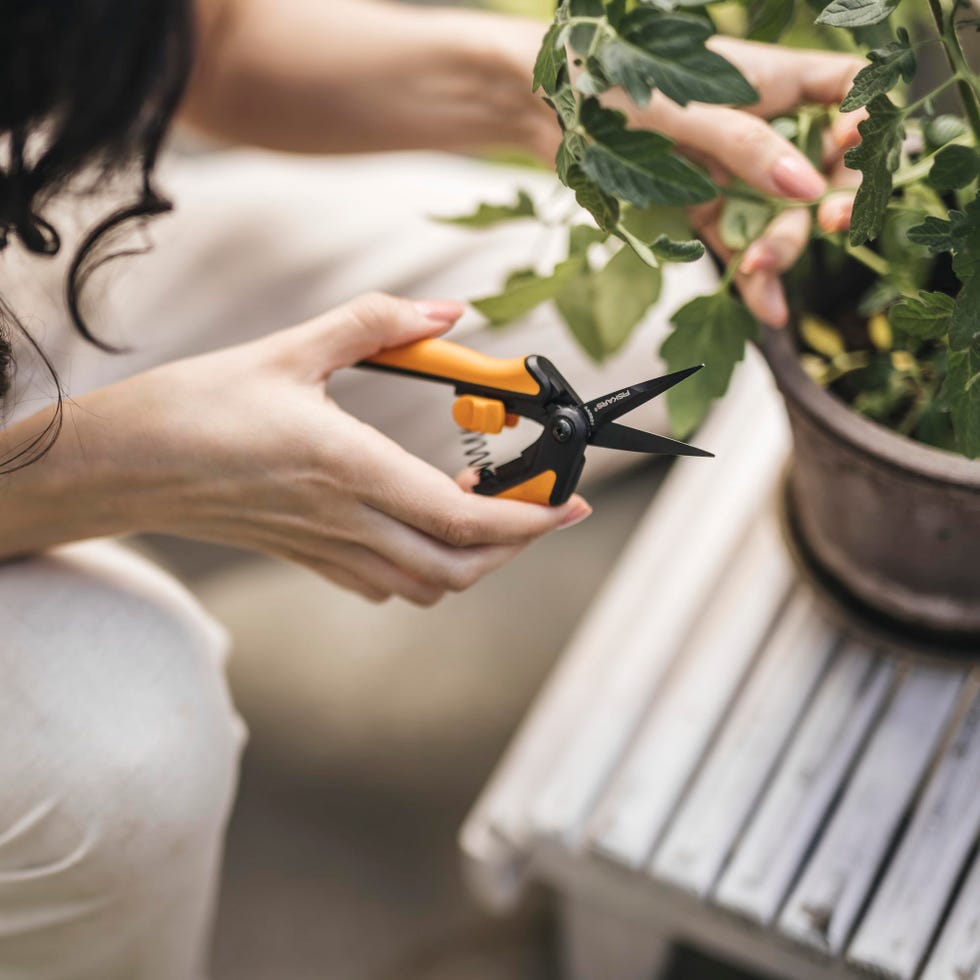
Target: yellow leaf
[(816, 367), (822, 337), (903, 361), (880, 332)]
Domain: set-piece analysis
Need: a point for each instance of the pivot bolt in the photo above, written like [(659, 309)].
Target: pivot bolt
[(562, 430)]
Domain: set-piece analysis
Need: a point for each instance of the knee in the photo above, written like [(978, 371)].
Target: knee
[(128, 708)]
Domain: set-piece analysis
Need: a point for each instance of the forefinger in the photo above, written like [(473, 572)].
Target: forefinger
[(748, 148)]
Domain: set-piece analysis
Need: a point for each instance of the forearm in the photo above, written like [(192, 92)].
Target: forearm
[(102, 476), (364, 75)]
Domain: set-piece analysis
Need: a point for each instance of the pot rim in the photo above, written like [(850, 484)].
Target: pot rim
[(868, 437)]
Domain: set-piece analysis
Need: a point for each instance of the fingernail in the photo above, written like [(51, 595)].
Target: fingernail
[(576, 516), (758, 256), (795, 177), (440, 311), (774, 303)]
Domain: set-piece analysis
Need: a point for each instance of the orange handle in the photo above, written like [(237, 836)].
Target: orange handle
[(442, 359), (537, 490)]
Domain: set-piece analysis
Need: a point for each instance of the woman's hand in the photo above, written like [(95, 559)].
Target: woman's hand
[(245, 447), (738, 143)]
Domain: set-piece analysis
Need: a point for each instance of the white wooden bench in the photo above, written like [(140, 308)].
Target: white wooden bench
[(716, 761)]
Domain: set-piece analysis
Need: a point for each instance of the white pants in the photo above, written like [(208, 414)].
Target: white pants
[(118, 742)]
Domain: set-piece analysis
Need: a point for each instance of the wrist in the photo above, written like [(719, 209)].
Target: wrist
[(103, 475), (497, 54)]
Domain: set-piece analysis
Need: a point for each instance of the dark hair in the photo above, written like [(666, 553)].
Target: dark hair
[(85, 85)]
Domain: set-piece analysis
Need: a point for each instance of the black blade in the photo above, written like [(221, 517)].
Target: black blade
[(612, 435), (611, 406)]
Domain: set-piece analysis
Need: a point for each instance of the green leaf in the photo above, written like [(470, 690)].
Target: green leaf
[(962, 392), (941, 130), (677, 250), (959, 235), (662, 249), (712, 330), (640, 247), (954, 166), (582, 237), (651, 223), (924, 317), (550, 61), (935, 426), (924, 200), (576, 304), (491, 214), (911, 265), (603, 307), (616, 11), (624, 290), (654, 50), (813, 124), (877, 157), (935, 233), (743, 221), (785, 126), (569, 156), (965, 232), (964, 325), (669, 6), (888, 64), (638, 166), (769, 19), (524, 290), (566, 107), (856, 13), (592, 81), (581, 35), (877, 297), (603, 207)]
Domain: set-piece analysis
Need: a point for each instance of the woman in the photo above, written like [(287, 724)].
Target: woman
[(119, 745)]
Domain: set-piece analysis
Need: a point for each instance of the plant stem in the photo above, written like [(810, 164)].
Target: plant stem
[(733, 263), (957, 62), (968, 92), (916, 171), (871, 259), (743, 193), (942, 86)]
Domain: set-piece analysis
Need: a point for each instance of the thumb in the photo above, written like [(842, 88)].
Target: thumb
[(364, 326)]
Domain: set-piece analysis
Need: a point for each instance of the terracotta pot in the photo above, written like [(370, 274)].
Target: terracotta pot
[(893, 523)]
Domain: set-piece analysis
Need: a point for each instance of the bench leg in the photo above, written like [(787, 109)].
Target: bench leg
[(596, 943)]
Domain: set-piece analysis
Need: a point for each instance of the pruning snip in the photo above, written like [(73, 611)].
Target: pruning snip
[(493, 393)]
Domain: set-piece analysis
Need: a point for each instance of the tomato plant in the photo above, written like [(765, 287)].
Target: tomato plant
[(902, 341)]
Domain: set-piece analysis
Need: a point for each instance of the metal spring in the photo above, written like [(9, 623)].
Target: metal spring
[(476, 450)]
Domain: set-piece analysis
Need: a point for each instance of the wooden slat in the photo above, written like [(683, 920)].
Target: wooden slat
[(703, 544), (957, 954), (782, 831), (823, 908), (753, 430), (731, 780), (697, 693), (895, 934)]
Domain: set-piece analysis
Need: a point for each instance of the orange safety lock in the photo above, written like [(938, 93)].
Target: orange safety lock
[(479, 414)]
